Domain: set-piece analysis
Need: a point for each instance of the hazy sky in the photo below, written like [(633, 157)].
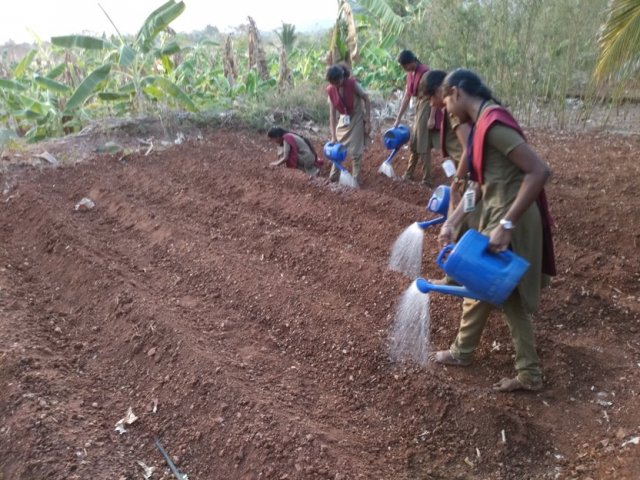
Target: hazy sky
[(48, 18)]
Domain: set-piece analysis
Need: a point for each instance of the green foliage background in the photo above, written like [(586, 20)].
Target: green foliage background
[(532, 53)]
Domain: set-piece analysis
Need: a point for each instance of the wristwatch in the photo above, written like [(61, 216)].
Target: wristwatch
[(507, 224)]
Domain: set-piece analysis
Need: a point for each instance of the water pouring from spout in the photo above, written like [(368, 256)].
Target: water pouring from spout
[(409, 336), (393, 139), (406, 252)]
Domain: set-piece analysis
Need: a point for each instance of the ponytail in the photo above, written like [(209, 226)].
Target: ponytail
[(471, 83), (276, 132), (406, 57)]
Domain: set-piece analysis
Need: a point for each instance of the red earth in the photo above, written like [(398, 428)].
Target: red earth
[(243, 312)]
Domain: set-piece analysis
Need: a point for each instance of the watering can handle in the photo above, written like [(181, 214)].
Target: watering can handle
[(503, 255), (442, 253)]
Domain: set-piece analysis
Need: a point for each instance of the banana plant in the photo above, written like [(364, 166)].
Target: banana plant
[(344, 36), (30, 103), (126, 74)]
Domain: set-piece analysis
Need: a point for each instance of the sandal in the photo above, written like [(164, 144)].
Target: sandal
[(514, 384), (445, 357)]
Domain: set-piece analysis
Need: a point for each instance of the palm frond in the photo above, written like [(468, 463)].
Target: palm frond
[(619, 38)]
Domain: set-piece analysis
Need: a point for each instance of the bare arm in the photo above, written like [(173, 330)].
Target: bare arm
[(403, 107), (332, 122), (462, 133), (431, 122), (456, 218), (284, 154)]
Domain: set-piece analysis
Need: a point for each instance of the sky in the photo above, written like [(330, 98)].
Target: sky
[(25, 19)]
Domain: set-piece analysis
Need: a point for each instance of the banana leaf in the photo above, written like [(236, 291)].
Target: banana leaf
[(26, 114), (12, 85), (36, 133), (127, 56), (81, 41), (24, 63), (156, 22), (113, 96), (87, 87), (169, 49), (167, 64), (153, 91), (176, 93), (381, 10), (33, 105), (50, 85), (57, 71), (127, 88)]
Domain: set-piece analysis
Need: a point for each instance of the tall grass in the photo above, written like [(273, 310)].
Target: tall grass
[(532, 53)]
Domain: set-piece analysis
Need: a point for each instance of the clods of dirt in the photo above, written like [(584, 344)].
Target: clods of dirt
[(242, 312)]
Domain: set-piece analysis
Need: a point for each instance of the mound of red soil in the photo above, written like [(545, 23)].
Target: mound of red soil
[(242, 312)]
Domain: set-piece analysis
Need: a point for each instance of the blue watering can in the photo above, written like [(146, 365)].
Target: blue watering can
[(438, 203), (396, 137), (486, 276), (336, 152), (393, 139)]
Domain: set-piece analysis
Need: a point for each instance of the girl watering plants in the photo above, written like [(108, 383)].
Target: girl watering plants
[(453, 142), (454, 135), (295, 151), (424, 132), (509, 177), (348, 99)]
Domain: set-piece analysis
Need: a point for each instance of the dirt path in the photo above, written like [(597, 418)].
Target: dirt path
[(252, 306)]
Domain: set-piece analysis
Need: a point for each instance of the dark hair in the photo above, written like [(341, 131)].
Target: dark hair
[(470, 82), (279, 132), (434, 80), (406, 57), (276, 132), (337, 72)]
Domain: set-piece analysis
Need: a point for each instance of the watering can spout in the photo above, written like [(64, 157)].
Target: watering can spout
[(425, 287), (426, 224)]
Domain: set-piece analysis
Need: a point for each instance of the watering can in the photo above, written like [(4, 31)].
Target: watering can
[(438, 203), (393, 139), (336, 152), (486, 276), (396, 137)]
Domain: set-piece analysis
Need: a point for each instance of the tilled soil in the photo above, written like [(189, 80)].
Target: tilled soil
[(243, 312)]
